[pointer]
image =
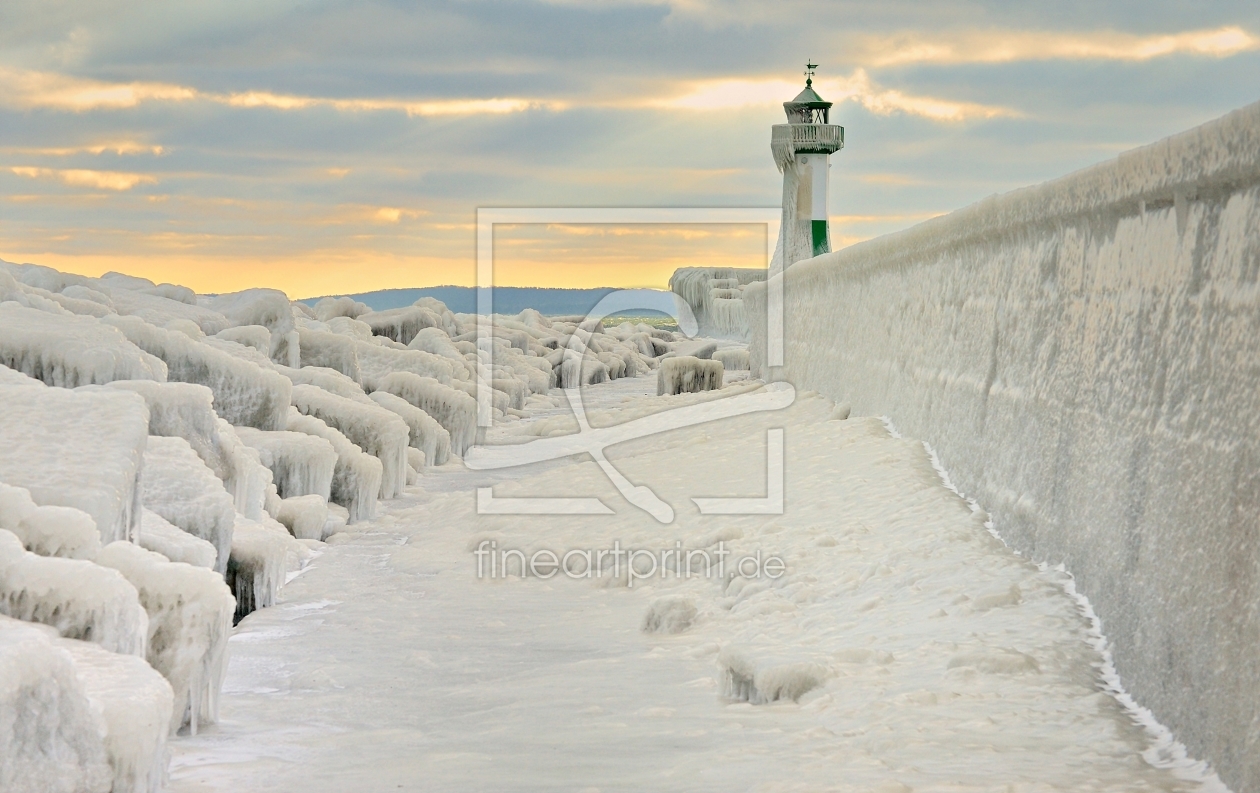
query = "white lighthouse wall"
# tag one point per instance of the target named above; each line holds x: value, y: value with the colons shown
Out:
x: 1084, y: 357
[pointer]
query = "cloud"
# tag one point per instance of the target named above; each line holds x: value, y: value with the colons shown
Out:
x: 100, y: 180
x: 27, y: 89
x: 124, y: 147
x: 1005, y: 46
x: 731, y: 94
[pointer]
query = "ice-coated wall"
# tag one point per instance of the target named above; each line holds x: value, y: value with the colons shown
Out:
x: 1084, y: 356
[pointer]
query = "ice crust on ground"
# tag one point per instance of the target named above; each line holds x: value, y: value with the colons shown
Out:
x: 190, y: 618
x: 372, y: 428
x: 356, y: 480
x: 894, y: 652
x: 81, y: 600
x: 45, y: 439
x: 180, y: 487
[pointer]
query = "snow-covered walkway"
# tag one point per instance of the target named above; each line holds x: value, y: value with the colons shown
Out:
x: 904, y: 648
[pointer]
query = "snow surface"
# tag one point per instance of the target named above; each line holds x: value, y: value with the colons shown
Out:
x: 905, y: 648
x: 80, y: 449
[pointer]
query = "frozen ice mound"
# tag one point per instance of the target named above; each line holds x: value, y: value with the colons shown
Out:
x: 190, y: 619
x: 356, y: 480
x: 134, y: 702
x: 180, y: 487
x: 746, y: 679
x: 331, y: 380
x: 267, y: 308
x: 160, y: 536
x: 372, y: 428
x: 426, y: 434
x: 455, y: 410
x: 732, y: 359
x: 300, y: 464
x: 43, y: 439
x: 81, y: 600
x: 686, y: 374
x: 401, y: 324
x: 258, y: 564
x: 669, y: 614
x: 51, y: 736
x: 14, y: 377
x: 245, y: 394
x: 48, y: 531
x: 715, y: 295
x: 304, y: 516
x: 70, y: 351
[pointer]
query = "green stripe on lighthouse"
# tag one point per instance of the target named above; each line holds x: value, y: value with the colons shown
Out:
x: 819, y: 229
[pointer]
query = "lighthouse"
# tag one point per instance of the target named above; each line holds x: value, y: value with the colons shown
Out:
x: 802, y: 150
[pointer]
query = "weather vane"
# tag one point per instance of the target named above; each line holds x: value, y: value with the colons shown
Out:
x: 810, y: 66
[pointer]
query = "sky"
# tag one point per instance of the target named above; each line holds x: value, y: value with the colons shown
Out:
x: 325, y: 147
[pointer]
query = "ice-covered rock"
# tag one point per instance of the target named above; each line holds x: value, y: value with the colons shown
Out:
x: 159, y: 535
x: 79, y: 449
x: 330, y: 307
x: 254, y: 336
x: 453, y: 409
x: 732, y: 358
x: 372, y: 428
x: 51, y: 736
x: 180, y: 487
x: 70, y: 351
x: 686, y: 374
x: 304, y: 516
x: 159, y: 310
x: 81, y: 600
x: 190, y: 619
x: 300, y: 464
x: 331, y: 380
x: 14, y: 377
x: 245, y: 393
x: 268, y: 308
x: 401, y: 324
x: 48, y: 531
x: 356, y: 480
x: 427, y: 435
x: 135, y: 703
x: 258, y: 564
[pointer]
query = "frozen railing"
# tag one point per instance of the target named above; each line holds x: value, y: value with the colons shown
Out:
x: 788, y: 139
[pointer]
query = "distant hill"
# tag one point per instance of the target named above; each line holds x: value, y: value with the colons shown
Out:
x: 514, y: 299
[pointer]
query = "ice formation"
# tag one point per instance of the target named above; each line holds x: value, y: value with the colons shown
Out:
x: 268, y: 308
x: 687, y: 374
x: 190, y: 618
x: 733, y: 358
x: 49, y: 530
x: 427, y: 435
x: 372, y: 428
x: 715, y: 295
x: 79, y: 599
x: 43, y: 439
x: 178, y: 486
x: 51, y: 736
x: 70, y: 351
x: 453, y: 409
x: 304, y: 516
x: 159, y: 535
x: 244, y: 393
x: 301, y: 464
x: 258, y: 564
x: 356, y: 480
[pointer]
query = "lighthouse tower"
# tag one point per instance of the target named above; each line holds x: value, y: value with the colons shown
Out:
x: 802, y: 149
